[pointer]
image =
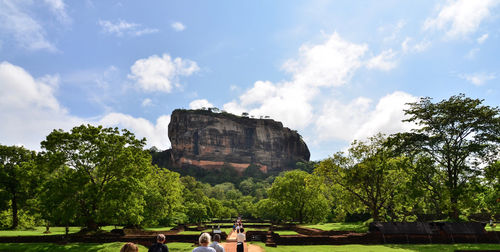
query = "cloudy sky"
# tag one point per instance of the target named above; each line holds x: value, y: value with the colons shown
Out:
x: 333, y: 70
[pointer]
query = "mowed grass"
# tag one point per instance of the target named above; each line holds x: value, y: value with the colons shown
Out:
x: 286, y: 232
x: 91, y: 247
x: 490, y: 228
x: 380, y: 248
x: 340, y: 226
x: 36, y: 231
x: 227, y: 230
x: 158, y: 228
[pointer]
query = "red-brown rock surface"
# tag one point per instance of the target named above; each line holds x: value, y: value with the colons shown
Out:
x: 211, y: 140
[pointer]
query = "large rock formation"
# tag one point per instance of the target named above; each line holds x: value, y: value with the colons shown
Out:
x: 210, y: 140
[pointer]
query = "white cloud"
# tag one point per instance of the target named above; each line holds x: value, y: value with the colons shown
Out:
x: 201, y: 103
x: 324, y: 65
x: 28, y: 108
x: 29, y: 111
x: 395, y: 31
x: 407, y: 46
x: 387, y: 116
x: 122, y: 27
x: 341, y: 121
x: 58, y: 8
x: 156, y: 134
x: 460, y: 18
x: 478, y: 79
x: 15, y: 21
x: 483, y: 38
x: 147, y: 102
x: 472, y: 53
x: 356, y: 119
x: 328, y: 64
x: 178, y: 26
x: 384, y: 61
x: 161, y: 73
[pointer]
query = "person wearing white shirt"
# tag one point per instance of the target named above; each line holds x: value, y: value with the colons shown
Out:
x: 240, y: 239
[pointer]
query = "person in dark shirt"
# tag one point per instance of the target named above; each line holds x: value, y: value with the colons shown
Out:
x: 159, y: 246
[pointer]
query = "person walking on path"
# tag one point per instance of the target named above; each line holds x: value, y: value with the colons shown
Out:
x: 159, y: 246
x: 240, y: 239
x: 204, y: 240
x: 216, y: 245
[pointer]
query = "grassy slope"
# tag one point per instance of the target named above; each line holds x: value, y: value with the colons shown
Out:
x: 186, y: 247
x: 39, y: 231
x: 107, y: 247
x: 355, y: 226
x: 380, y: 248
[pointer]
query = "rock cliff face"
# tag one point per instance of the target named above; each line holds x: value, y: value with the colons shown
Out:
x: 211, y: 140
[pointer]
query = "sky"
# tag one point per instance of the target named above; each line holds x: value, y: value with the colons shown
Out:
x: 335, y: 71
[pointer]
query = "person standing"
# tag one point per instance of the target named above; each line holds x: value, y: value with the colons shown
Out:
x: 159, y: 246
x: 204, y: 240
x: 240, y: 239
x: 216, y: 245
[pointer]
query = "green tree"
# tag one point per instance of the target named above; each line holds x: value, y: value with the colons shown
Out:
x: 58, y: 204
x: 18, y: 179
x: 492, y: 198
x: 299, y: 196
x: 368, y: 175
x: 109, y: 166
x: 458, y: 135
x: 163, y: 196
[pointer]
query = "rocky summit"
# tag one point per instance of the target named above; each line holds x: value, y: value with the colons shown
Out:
x: 211, y: 140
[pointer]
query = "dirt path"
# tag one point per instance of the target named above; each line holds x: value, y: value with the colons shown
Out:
x: 230, y: 245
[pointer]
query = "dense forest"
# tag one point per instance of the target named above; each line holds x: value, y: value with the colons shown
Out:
x: 446, y: 168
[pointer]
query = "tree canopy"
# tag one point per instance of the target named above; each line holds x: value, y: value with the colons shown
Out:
x: 460, y: 135
x: 106, y: 168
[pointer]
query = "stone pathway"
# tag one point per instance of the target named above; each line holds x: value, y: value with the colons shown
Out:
x: 230, y: 244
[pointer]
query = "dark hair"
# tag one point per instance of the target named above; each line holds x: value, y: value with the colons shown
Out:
x: 217, y: 237
x: 242, y: 230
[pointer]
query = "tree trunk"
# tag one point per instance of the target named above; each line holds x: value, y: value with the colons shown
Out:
x: 91, y: 225
x: 455, y: 212
x: 375, y: 214
x: 15, y: 218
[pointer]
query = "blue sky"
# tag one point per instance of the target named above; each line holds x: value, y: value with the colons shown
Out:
x: 333, y: 70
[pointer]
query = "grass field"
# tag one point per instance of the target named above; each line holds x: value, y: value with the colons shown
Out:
x: 380, y: 248
x: 158, y: 228
x: 54, y: 231
x: 186, y: 247
x: 107, y: 247
x: 286, y: 232
x: 341, y: 226
x: 38, y: 231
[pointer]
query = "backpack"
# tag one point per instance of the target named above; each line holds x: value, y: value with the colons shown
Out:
x: 158, y: 247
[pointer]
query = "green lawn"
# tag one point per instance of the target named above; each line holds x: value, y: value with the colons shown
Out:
x: 256, y: 229
x: 489, y: 228
x: 286, y: 232
x: 106, y: 247
x: 341, y: 226
x: 379, y: 248
x: 158, y: 228
x: 38, y: 231
x: 54, y: 231
x: 227, y: 230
